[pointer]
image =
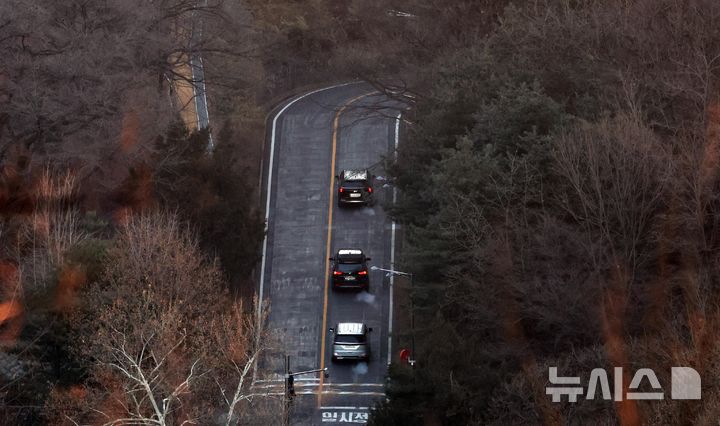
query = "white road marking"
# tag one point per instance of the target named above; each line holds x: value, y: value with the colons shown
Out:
x: 331, y: 385
x: 392, y: 247
x: 312, y: 379
x: 330, y: 392
x: 344, y: 408
x: 362, y: 385
x: 269, y: 193
x: 281, y: 385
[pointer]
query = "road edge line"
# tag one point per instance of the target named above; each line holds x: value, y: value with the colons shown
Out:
x: 268, y: 192
x: 392, y: 246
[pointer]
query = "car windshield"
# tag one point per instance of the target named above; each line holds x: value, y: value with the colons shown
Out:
x: 355, y: 184
x: 350, y: 339
x: 349, y: 267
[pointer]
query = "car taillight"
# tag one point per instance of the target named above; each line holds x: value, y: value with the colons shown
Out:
x: 362, y: 272
x: 337, y: 273
x: 341, y: 190
x: 369, y: 189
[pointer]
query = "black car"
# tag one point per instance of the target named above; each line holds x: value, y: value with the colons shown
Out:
x: 354, y: 187
x: 349, y: 269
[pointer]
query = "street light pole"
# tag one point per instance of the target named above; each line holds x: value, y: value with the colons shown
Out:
x: 412, y: 319
x: 290, y: 386
x: 287, y: 398
x: 412, y: 306
x: 317, y: 370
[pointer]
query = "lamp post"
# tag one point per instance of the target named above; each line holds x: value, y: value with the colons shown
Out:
x: 412, y: 305
x: 290, y: 386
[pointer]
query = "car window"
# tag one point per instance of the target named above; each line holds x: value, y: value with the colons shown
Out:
x: 355, y: 184
x: 350, y: 258
x: 352, y: 339
x: 349, y: 267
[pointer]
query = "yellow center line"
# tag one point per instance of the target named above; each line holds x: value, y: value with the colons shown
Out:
x: 323, y: 330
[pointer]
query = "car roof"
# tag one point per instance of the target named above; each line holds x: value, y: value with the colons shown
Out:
x: 342, y: 252
x: 350, y: 328
x: 350, y: 256
x: 355, y: 174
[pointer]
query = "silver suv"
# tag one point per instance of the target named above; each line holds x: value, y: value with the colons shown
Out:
x: 350, y: 341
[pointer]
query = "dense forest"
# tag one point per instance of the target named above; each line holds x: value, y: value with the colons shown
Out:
x: 558, y: 179
x: 127, y: 251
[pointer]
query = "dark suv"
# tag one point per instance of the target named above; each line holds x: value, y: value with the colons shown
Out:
x: 349, y: 269
x: 354, y: 187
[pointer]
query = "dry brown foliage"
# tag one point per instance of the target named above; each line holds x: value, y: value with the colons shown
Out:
x: 167, y: 343
x: 618, y: 173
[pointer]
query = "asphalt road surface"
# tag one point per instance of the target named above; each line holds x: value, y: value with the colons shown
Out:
x: 201, y: 107
x: 313, y: 138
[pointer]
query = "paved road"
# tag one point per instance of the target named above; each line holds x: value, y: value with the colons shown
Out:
x: 353, y: 121
x: 201, y: 107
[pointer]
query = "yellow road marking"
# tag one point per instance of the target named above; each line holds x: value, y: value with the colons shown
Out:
x: 323, y: 330
x: 185, y: 93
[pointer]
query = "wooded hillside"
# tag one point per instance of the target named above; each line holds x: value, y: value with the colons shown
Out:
x: 558, y: 180
x: 559, y: 190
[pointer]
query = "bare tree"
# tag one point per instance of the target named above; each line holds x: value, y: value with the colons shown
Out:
x: 142, y: 376
x: 617, y: 172
x: 76, y: 71
x: 153, y: 394
x: 242, y: 341
x: 167, y: 343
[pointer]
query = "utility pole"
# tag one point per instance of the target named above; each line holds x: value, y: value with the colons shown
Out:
x: 290, y: 387
x: 287, y: 398
x: 411, y: 359
x: 412, y: 318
